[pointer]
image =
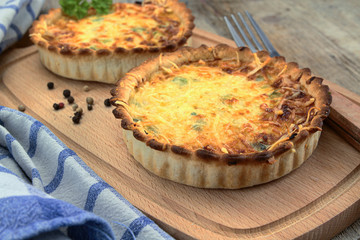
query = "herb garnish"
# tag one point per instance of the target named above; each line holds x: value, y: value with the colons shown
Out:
x: 79, y: 8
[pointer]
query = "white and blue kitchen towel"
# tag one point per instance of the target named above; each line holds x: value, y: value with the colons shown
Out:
x: 16, y: 16
x: 48, y: 192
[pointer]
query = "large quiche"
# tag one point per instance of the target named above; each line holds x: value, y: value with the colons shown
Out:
x: 103, y: 48
x: 220, y: 117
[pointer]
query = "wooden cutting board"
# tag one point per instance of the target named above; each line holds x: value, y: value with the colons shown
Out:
x: 318, y: 200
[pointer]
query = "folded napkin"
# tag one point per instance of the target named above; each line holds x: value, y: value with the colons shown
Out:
x: 16, y: 16
x: 48, y: 192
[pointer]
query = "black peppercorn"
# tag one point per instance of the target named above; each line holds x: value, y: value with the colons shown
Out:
x: 107, y: 102
x: 89, y: 107
x: 56, y: 106
x: 76, y: 120
x: 78, y: 114
x: 66, y: 93
x: 71, y: 99
x: 50, y: 85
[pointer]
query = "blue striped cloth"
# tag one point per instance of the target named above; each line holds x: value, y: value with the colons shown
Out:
x: 48, y: 192
x: 16, y: 16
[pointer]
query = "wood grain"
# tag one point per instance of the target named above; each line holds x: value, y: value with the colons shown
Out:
x: 320, y: 34
x: 315, y: 201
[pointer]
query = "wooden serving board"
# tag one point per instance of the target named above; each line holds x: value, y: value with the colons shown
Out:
x: 317, y: 200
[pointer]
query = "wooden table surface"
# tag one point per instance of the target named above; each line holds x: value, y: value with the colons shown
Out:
x: 322, y: 35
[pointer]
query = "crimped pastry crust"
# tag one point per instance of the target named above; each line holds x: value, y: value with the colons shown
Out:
x: 105, y: 64
x: 217, y: 174
x: 207, y: 169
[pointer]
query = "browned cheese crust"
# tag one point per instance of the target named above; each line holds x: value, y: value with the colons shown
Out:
x: 107, y: 64
x: 267, y: 165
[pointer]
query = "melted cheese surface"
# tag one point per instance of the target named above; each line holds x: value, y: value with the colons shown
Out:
x: 201, y: 106
x: 127, y: 26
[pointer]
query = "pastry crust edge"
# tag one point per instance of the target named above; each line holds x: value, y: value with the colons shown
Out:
x: 215, y: 174
x: 102, y: 65
x: 170, y: 161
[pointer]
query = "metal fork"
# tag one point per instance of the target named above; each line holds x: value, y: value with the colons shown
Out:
x: 239, y: 41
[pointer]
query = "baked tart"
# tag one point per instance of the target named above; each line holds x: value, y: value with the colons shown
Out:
x: 104, y: 47
x: 220, y: 117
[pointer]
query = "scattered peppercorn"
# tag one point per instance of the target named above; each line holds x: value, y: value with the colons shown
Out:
x: 90, y: 100
x: 89, y: 107
x: 79, y: 110
x: 76, y: 120
x: 107, y: 102
x: 86, y: 88
x: 78, y: 114
x: 56, y: 106
x: 50, y: 85
x: 71, y: 99
x: 66, y: 93
x: 21, y: 108
x: 74, y: 106
x: 61, y: 105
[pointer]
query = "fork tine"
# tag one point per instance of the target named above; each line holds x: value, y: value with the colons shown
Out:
x: 263, y: 37
x: 248, y: 42
x: 258, y: 45
x: 235, y: 36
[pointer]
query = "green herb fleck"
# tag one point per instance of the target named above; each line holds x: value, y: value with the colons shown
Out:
x: 259, y: 146
x: 198, y: 125
x: 193, y: 113
x: 152, y: 129
x: 98, y: 19
x: 225, y: 97
x: 274, y: 94
x: 264, y: 86
x: 259, y: 78
x: 138, y: 29
x: 155, y: 33
x: 181, y: 81
x: 105, y: 40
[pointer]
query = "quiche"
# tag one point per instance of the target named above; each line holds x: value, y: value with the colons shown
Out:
x: 104, y: 47
x: 220, y: 117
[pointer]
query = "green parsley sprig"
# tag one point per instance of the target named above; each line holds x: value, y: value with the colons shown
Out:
x: 79, y: 8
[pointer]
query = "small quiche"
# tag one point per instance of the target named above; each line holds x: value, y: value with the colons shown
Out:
x: 220, y: 117
x: 103, y: 48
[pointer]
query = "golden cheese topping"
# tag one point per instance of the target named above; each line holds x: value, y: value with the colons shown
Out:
x: 219, y: 106
x: 127, y: 26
